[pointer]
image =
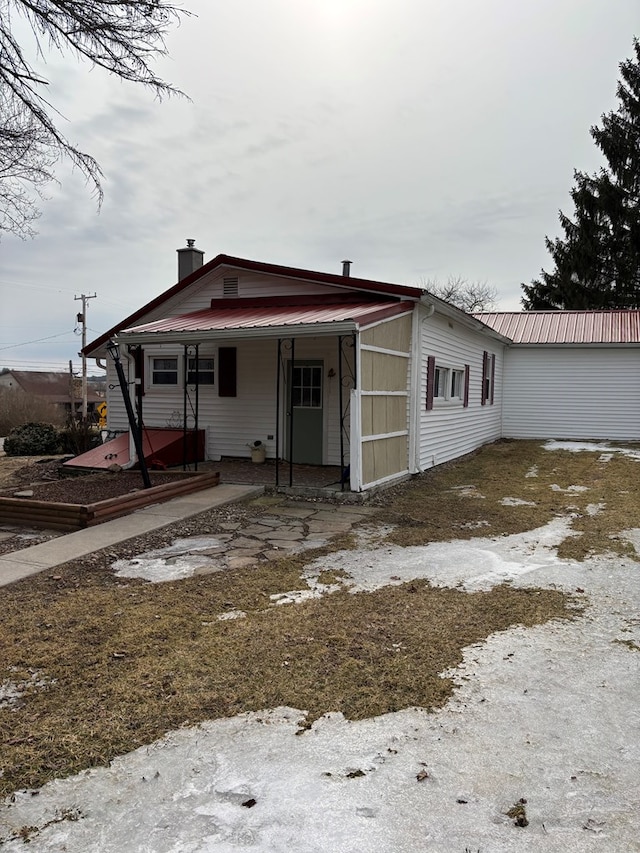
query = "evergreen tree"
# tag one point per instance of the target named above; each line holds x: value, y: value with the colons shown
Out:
x: 597, y: 263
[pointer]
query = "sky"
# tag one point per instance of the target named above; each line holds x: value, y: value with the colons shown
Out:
x: 421, y: 139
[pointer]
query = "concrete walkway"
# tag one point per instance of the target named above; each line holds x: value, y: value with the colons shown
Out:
x: 37, y: 558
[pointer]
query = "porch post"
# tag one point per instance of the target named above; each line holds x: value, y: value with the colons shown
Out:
x: 293, y: 361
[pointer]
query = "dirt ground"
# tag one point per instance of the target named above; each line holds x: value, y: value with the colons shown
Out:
x: 48, y: 481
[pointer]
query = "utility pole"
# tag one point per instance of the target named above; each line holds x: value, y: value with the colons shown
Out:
x: 82, y: 319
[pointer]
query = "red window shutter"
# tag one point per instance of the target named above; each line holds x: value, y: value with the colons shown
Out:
x: 485, y: 373
x: 431, y: 373
x: 227, y: 372
x: 466, y: 386
x: 493, y: 376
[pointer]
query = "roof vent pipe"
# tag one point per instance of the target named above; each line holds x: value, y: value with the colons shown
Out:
x: 346, y: 268
x: 190, y: 259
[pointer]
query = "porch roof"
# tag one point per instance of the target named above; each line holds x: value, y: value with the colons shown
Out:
x: 263, y: 321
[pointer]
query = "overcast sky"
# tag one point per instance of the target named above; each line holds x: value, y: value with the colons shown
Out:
x: 419, y: 138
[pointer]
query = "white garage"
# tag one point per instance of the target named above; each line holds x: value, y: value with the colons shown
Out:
x: 570, y: 374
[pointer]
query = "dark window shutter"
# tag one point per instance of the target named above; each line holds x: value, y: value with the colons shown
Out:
x: 485, y: 359
x: 138, y: 360
x: 431, y: 373
x: 227, y: 372
x: 466, y: 386
x: 493, y: 376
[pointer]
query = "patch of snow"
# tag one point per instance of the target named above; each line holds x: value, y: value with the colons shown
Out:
x: 532, y: 472
x: 468, y: 491
x: 479, y: 563
x: 11, y: 692
x: 159, y: 569
x: 516, y: 502
x: 556, y: 488
x: 175, y: 561
x: 549, y: 714
x: 294, y: 596
x: 595, y: 509
x: 606, y: 450
x: 231, y: 614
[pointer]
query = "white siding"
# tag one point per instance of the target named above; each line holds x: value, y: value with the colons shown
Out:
x: 250, y: 285
x: 572, y: 392
x: 450, y: 430
x: 233, y: 423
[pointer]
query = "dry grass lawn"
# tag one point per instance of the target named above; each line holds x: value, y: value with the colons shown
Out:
x: 107, y: 664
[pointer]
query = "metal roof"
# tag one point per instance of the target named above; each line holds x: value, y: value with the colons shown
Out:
x: 249, y: 318
x: 565, y: 327
x: 221, y: 261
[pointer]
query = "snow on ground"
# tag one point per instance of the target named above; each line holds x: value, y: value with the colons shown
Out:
x: 548, y: 714
x: 606, y: 450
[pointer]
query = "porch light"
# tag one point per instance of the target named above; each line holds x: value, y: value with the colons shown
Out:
x: 113, y: 349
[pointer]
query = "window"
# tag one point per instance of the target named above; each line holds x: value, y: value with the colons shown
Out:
x: 457, y: 385
x: 440, y: 383
x: 164, y: 371
x: 200, y: 371
x: 306, y: 386
x: 446, y: 384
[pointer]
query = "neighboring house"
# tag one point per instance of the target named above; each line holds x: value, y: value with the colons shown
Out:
x: 55, y: 388
x: 570, y: 374
x: 380, y: 379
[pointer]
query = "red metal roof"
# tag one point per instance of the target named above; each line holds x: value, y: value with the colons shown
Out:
x: 217, y: 319
x: 343, y: 281
x: 565, y: 327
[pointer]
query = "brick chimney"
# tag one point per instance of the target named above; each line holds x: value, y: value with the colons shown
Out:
x: 190, y: 259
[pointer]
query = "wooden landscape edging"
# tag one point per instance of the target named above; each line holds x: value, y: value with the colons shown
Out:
x: 68, y: 517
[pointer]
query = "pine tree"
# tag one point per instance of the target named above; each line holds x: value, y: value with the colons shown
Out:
x: 597, y: 263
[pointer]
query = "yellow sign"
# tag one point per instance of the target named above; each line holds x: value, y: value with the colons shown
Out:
x: 101, y: 409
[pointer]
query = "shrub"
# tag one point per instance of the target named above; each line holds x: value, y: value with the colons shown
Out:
x: 18, y: 408
x: 79, y: 436
x: 32, y: 439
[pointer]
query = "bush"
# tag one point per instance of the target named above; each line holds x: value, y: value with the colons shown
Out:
x: 79, y: 436
x: 33, y: 439
x: 18, y: 408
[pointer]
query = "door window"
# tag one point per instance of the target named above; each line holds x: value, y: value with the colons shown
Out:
x: 306, y: 386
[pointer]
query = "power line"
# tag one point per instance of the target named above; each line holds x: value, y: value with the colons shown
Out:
x: 39, y: 340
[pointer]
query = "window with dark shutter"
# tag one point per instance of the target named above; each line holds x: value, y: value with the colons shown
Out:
x: 465, y: 398
x: 227, y: 372
x: 431, y: 374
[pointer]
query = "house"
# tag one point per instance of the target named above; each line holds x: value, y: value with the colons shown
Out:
x: 570, y: 374
x: 380, y: 379
x: 56, y: 388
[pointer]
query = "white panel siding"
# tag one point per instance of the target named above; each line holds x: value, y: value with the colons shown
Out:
x: 233, y: 423
x: 450, y: 430
x: 250, y: 285
x: 572, y: 392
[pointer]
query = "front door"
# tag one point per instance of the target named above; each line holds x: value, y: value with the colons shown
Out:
x: 305, y: 414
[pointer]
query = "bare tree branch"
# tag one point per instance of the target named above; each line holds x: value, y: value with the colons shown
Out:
x: 121, y: 37
x: 470, y: 296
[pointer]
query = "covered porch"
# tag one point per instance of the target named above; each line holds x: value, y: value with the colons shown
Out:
x: 323, y: 388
